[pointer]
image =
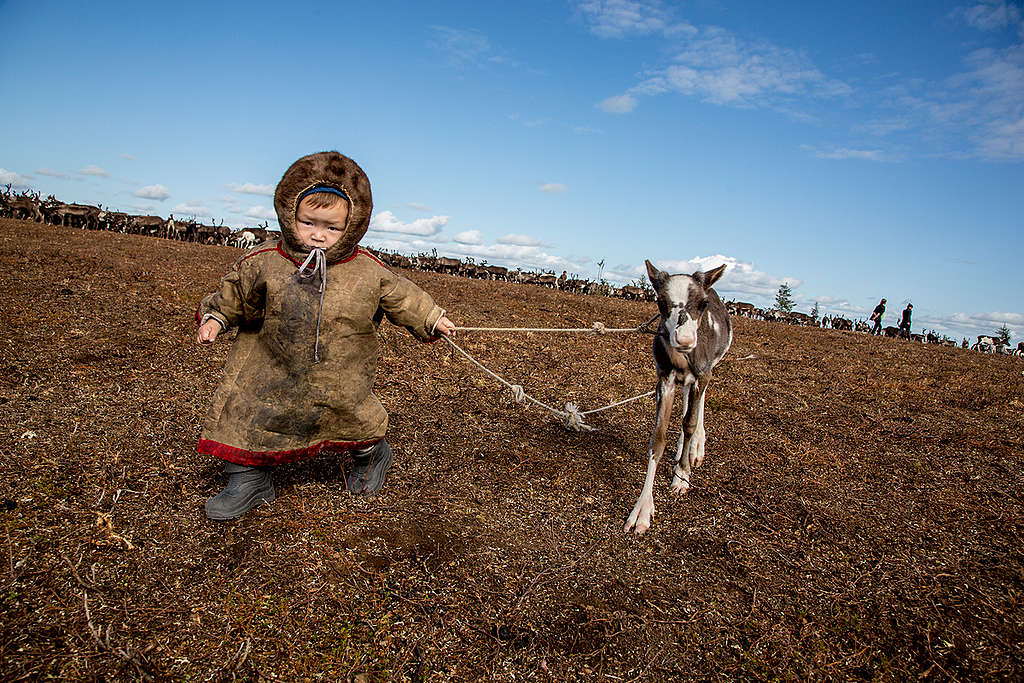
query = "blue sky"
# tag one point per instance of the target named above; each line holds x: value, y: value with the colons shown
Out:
x: 855, y: 152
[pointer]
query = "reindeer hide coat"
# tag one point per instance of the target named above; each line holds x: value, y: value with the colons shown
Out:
x: 275, y: 404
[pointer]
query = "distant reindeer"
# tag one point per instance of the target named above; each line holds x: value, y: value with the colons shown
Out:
x: 694, y: 335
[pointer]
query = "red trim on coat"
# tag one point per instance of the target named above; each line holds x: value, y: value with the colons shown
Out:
x: 249, y: 256
x: 240, y: 456
x: 282, y: 252
x: 361, y: 250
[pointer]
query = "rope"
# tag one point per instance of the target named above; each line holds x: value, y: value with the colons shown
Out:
x: 317, y: 263
x: 596, y: 328
x: 572, y: 415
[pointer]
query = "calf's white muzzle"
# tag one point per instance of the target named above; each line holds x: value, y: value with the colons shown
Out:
x: 682, y: 333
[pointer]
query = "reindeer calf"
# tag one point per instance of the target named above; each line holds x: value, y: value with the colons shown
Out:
x: 694, y: 335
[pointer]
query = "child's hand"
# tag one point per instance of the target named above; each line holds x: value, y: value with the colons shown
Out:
x: 444, y: 326
x: 208, y: 331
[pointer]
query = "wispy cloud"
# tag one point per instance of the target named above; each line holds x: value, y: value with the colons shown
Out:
x: 261, y: 212
x: 192, y: 209
x: 553, y: 188
x: 94, y: 170
x: 741, y: 278
x: 158, y: 192
x: 418, y: 207
x: 129, y: 157
x: 511, y: 255
x: 990, y: 15
x: 847, y: 153
x: 628, y: 18
x: 252, y: 188
x: 718, y: 67
x: 973, y: 113
x: 53, y: 174
x: 469, y: 237
x: 13, y: 179
x: 972, y: 324
x: 522, y: 241
x: 386, y: 221
x: 618, y: 104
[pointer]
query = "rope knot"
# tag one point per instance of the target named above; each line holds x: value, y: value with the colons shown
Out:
x: 518, y: 393
x: 574, y: 419
x: 598, y: 328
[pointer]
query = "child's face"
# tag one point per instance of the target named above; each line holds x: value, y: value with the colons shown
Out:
x: 320, y: 226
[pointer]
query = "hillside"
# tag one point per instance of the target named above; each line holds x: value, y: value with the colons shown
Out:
x: 858, y: 516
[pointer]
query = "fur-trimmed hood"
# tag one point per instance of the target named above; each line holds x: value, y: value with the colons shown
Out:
x: 331, y: 169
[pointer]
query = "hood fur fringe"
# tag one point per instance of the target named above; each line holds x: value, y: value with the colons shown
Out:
x: 332, y: 169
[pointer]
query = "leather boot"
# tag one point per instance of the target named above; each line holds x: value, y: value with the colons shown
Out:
x: 369, y: 468
x: 247, y: 487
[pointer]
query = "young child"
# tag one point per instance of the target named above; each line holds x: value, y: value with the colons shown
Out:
x: 298, y: 380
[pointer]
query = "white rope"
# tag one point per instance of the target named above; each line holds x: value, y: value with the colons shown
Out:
x: 317, y: 263
x: 596, y: 328
x: 572, y: 415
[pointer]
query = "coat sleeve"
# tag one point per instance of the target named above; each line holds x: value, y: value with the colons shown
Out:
x: 240, y: 298
x: 407, y: 305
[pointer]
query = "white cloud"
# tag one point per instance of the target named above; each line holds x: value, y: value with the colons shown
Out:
x: 469, y: 237
x: 462, y: 47
x: 619, y: 104
x: 740, y: 277
x: 553, y: 188
x: 624, y: 18
x: 973, y: 113
x: 720, y: 68
x: 129, y: 157
x: 883, y: 127
x: 842, y: 153
x: 419, y: 207
x: 53, y: 174
x: 158, y: 192
x: 521, y: 241
x: 385, y: 221
x: 512, y: 256
x: 988, y: 99
x: 252, y: 188
x: 972, y: 324
x: 94, y: 170
x: 192, y: 209
x: 261, y: 212
x: 13, y: 179
x: 989, y: 15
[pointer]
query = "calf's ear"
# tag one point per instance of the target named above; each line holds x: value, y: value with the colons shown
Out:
x: 653, y: 272
x: 712, y: 276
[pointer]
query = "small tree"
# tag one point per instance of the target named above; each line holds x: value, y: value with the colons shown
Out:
x: 784, y: 298
x: 1003, y: 335
x: 815, y: 313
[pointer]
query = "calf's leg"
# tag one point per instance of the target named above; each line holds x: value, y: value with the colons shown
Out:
x: 680, y: 478
x: 640, y: 518
x: 691, y: 455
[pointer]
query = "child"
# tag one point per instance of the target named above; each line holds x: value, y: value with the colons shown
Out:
x: 298, y: 380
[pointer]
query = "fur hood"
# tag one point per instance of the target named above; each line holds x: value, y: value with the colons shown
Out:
x: 333, y: 170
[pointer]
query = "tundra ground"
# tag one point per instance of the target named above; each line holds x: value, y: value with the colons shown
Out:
x: 859, y: 514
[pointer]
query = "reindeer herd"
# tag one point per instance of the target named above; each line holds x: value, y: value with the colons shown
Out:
x: 27, y: 205
x: 985, y: 343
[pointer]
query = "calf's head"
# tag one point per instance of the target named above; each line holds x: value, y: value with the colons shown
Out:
x: 682, y: 299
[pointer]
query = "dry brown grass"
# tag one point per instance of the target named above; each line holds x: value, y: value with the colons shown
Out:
x: 858, y: 516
